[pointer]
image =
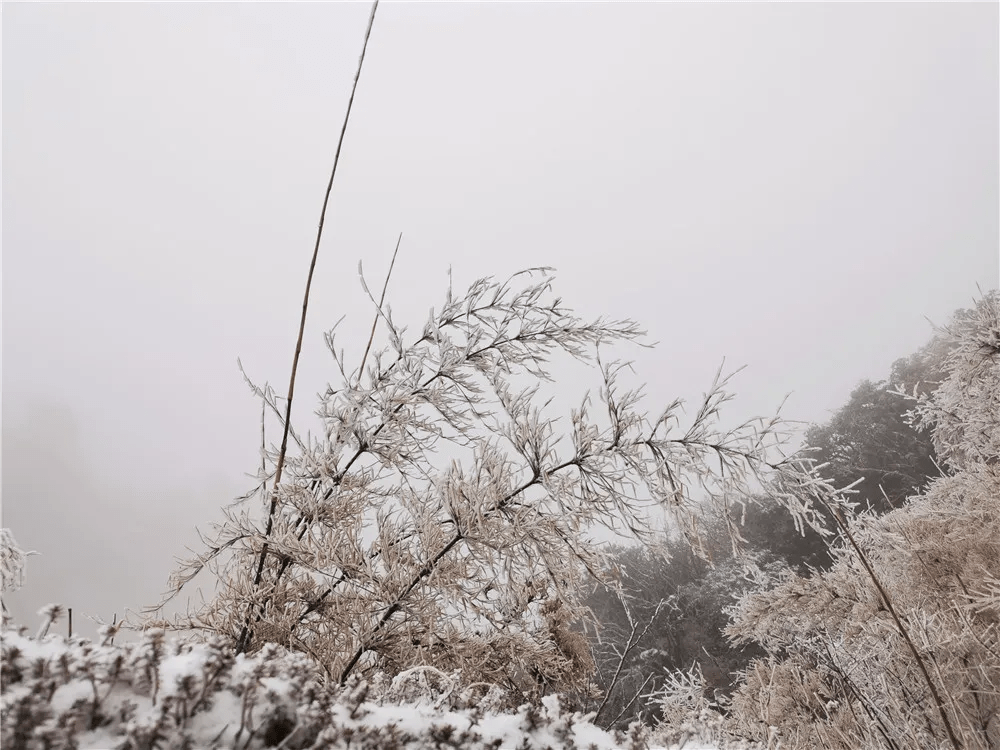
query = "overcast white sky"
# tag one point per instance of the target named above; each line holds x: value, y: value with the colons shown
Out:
x: 795, y: 188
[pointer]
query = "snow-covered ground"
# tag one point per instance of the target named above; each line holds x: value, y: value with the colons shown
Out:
x: 200, y: 694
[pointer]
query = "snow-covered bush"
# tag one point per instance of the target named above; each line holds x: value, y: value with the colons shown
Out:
x: 62, y: 694
x: 689, y: 713
x: 897, y: 645
x: 962, y: 413
x: 441, y: 518
x: 12, y: 561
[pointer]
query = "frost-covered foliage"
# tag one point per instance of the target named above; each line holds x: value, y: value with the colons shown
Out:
x: 12, y: 561
x: 963, y: 412
x: 67, y: 694
x: 897, y: 645
x: 377, y: 554
x: 694, y: 715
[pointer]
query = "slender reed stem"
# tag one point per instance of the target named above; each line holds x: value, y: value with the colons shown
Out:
x: 884, y: 595
x: 244, y: 640
x: 633, y: 640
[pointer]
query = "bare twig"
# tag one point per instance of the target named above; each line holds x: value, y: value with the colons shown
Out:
x: 378, y: 310
x: 633, y: 640
x: 629, y: 705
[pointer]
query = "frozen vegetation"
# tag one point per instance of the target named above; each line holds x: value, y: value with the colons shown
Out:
x: 383, y: 600
x: 71, y: 693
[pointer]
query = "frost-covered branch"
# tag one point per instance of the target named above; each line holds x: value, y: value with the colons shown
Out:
x: 442, y: 511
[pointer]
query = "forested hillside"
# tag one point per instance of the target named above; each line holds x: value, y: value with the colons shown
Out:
x: 870, y: 442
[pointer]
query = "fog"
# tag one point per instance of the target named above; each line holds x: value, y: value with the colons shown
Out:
x: 795, y: 188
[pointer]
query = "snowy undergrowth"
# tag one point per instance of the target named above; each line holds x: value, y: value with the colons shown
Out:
x: 161, y: 693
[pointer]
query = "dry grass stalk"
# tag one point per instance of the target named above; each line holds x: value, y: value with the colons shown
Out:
x: 244, y: 635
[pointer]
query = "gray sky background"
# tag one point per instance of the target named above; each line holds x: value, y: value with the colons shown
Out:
x: 795, y: 188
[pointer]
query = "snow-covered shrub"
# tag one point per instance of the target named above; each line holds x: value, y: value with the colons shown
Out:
x: 12, y: 562
x: 695, y: 715
x: 69, y: 694
x: 686, y: 706
x: 898, y: 644
x: 442, y: 518
x: 962, y: 413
